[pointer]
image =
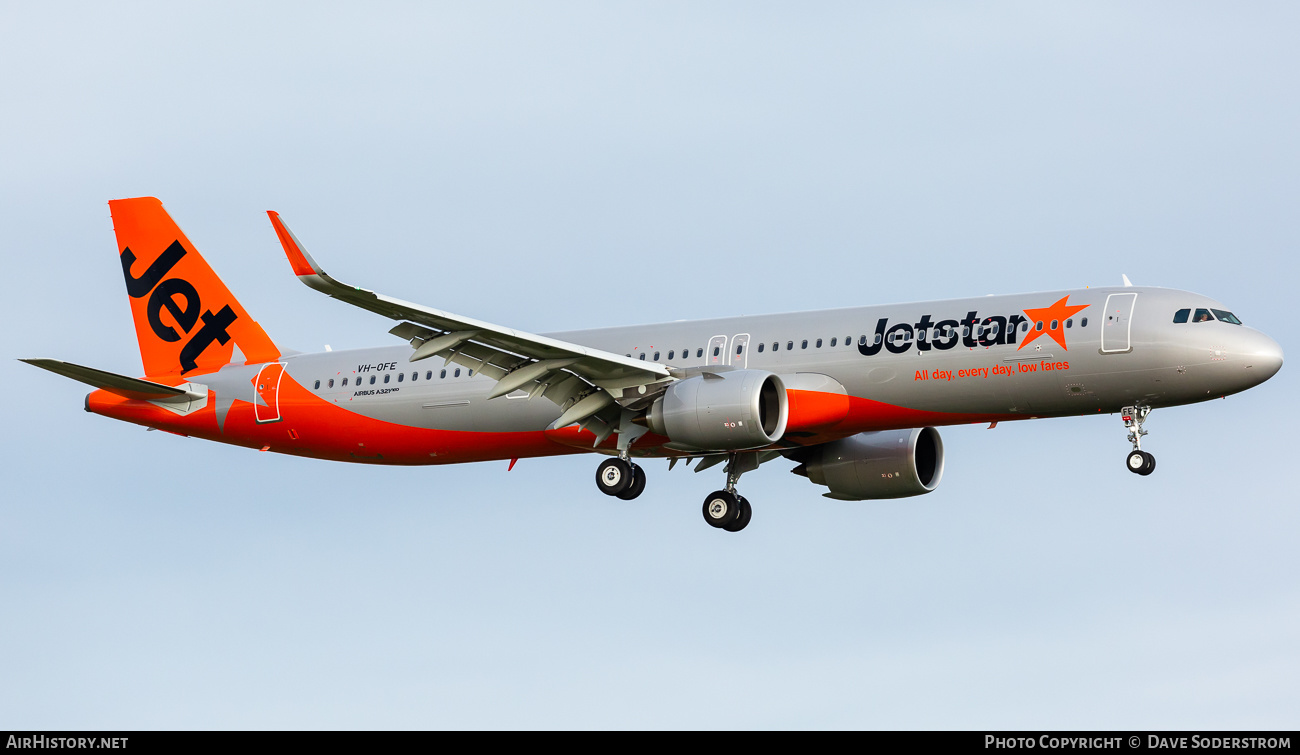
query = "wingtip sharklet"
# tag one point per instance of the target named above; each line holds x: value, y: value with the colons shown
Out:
x: 299, y: 259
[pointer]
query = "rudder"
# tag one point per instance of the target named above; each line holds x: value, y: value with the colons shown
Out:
x: 185, y: 317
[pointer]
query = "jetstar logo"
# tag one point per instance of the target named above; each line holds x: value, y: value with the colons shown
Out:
x: 1051, y: 321
x: 971, y: 331
x: 163, y: 295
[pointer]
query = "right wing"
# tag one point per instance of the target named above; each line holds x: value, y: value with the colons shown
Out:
x: 587, y: 384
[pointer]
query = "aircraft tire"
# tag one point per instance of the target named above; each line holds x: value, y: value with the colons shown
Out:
x: 743, y: 516
x: 1136, y: 462
x: 721, y: 508
x: 614, y: 476
x: 1150, y: 465
x: 637, y: 486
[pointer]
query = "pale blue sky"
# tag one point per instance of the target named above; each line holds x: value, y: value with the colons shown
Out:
x: 574, y: 165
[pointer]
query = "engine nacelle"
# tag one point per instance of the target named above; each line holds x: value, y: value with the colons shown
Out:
x: 887, y: 464
x: 726, y: 411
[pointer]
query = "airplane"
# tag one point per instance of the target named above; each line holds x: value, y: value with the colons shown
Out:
x: 852, y: 396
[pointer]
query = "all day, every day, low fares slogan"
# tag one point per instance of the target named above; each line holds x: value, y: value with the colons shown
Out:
x: 984, y: 373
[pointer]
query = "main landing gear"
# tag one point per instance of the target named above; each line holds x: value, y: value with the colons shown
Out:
x: 727, y: 509
x: 724, y: 509
x: 1138, y: 461
x: 620, y: 478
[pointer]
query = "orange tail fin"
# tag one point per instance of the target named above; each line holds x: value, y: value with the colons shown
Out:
x: 185, y: 317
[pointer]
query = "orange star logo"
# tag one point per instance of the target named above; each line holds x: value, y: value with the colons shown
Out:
x: 1053, y: 321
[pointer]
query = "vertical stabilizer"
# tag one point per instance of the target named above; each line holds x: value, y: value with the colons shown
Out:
x: 185, y: 317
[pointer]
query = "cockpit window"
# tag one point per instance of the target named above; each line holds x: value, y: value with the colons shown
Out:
x: 1227, y: 317
x: 1182, y: 315
x: 1202, y: 315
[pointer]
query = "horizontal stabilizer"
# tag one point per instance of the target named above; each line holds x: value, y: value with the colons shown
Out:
x: 122, y: 385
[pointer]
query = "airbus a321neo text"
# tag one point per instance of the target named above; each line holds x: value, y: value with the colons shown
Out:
x: 851, y: 396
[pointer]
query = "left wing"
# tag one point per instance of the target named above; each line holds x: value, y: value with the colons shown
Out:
x: 587, y: 384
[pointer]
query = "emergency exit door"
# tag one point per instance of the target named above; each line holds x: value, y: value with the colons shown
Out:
x: 717, y: 352
x: 739, y: 351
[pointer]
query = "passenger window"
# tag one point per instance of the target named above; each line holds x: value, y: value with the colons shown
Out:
x: 1025, y: 326
x: 471, y: 373
x: 1038, y: 325
x: 847, y: 340
x: 428, y: 375
x: 776, y: 346
x: 740, y: 348
x: 760, y: 348
x: 862, y: 340
x: 819, y: 343
x: 643, y: 356
x: 317, y: 385
x: 717, y: 350
x: 1069, y: 323
x: 1227, y: 317
x: 400, y: 377
x: 833, y: 343
x: 372, y: 379
x: 331, y: 385
x: 1054, y: 324
x: 670, y: 355
x: 1083, y: 323
x: 803, y: 344
x: 415, y: 376
x: 1202, y: 315
x: 442, y: 374
x: 1181, y: 315
x: 345, y: 381
x: 456, y: 373
x: 656, y: 356
x: 386, y: 378
x: 699, y: 353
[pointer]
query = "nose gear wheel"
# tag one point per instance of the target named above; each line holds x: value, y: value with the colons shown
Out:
x: 1138, y: 461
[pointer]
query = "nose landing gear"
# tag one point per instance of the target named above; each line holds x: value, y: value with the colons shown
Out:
x: 1138, y: 461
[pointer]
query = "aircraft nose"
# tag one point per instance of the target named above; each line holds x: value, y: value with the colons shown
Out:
x: 1263, y: 357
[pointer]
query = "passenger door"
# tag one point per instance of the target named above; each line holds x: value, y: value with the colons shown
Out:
x: 1117, y: 328
x: 266, y: 405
